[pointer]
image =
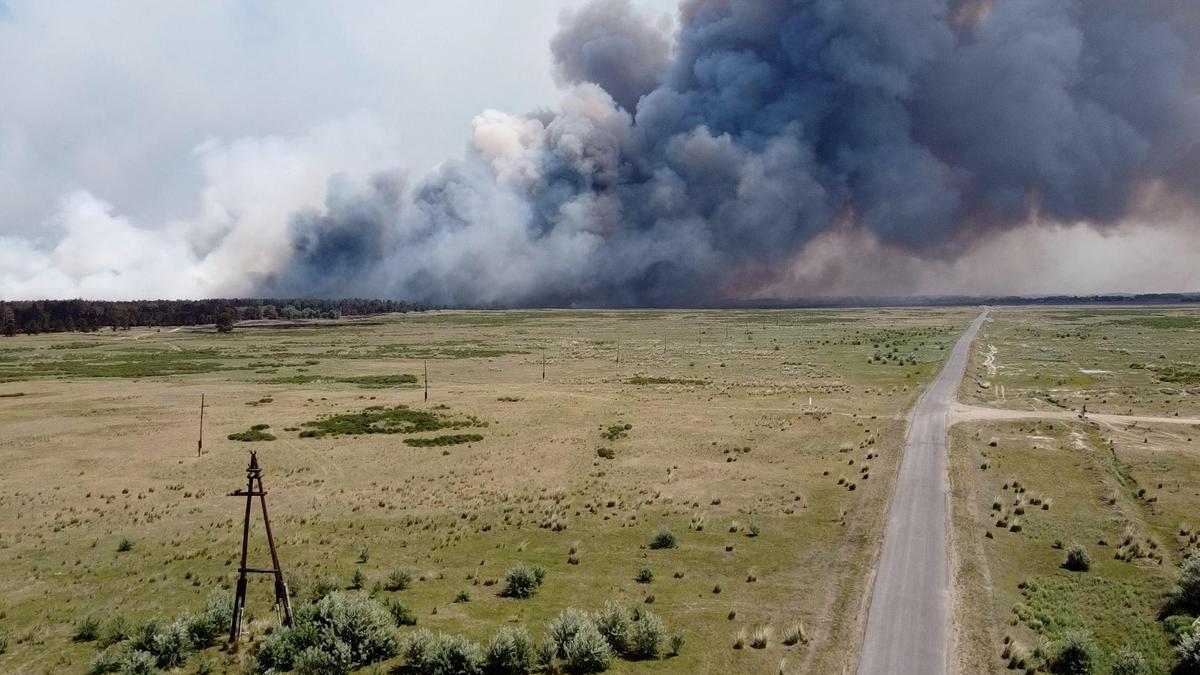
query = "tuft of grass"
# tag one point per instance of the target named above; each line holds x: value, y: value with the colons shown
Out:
x: 795, y: 634
x: 87, y: 629
x: 760, y: 637
x: 644, y: 576
x: 124, y: 545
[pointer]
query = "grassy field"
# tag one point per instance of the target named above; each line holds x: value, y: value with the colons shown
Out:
x: 1025, y: 491
x: 766, y: 442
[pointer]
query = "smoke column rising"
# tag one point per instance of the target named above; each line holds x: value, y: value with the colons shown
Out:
x: 697, y: 166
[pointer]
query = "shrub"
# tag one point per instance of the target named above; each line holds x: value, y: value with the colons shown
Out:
x: 171, y: 645
x: 523, y: 581
x: 124, y: 545
x: 644, y: 576
x: 605, y: 453
x: 401, y: 614
x: 398, y: 580
x: 564, y: 627
x: 454, y: 655
x: 418, y: 650
x: 676, y: 645
x: 115, y: 630
x: 1188, y: 590
x: 510, y: 653
x: 206, y: 628
x: 87, y: 629
x: 587, y: 651
x: 330, y: 660
x: 323, y: 587
x: 663, y: 538
x: 754, y: 530
x: 1076, y: 654
x: 613, y: 624
x: 1078, y: 559
x: 462, y: 596
x: 138, y: 663
x: 1188, y: 651
x: 1128, y: 662
x: 646, y: 636
x: 107, y: 661
x: 353, y: 628
x: 547, y: 652
x: 142, y: 637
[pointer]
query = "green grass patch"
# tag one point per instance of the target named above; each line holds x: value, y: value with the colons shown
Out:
x: 131, y: 364
x: 258, y: 432
x: 382, y: 420
x: 644, y: 380
x: 449, y: 439
x: 1163, y: 322
x: 362, y: 381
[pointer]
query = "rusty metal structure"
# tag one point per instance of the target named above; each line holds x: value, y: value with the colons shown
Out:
x: 283, y: 603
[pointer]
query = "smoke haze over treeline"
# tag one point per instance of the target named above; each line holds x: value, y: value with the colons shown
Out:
x: 744, y: 149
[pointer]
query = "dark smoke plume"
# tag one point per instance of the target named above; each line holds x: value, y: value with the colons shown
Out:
x: 690, y: 170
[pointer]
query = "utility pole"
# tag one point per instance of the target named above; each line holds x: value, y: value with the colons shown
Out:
x: 426, y: 380
x: 618, y: 351
x: 200, y: 441
x: 283, y: 603
x: 543, y: 365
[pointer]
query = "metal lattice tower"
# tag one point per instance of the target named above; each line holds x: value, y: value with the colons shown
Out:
x: 283, y: 603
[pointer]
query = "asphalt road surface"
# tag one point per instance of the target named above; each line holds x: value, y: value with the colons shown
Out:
x: 907, y: 622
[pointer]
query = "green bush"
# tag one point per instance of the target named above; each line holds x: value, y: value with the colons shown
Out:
x: 139, y: 663
x: 115, y: 630
x: 646, y: 636
x: 322, y: 660
x: 323, y: 587
x: 108, y: 661
x: 171, y: 646
x: 510, y: 653
x: 1128, y: 662
x: 587, y: 651
x: 401, y: 614
x: 676, y: 645
x: 438, y: 441
x: 1078, y: 559
x: 207, y: 627
x: 442, y: 655
x: 124, y: 545
x: 523, y: 581
x: 398, y: 580
x: 605, y: 453
x: 87, y: 629
x: 253, y: 434
x: 1188, y: 651
x: 1076, y: 654
x: 613, y: 624
x: 1188, y: 590
x: 644, y: 575
x: 663, y: 538
x: 564, y: 627
x: 355, y: 629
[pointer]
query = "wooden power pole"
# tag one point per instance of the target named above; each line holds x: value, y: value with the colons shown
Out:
x: 200, y: 441
x: 543, y: 365
x: 426, y: 380
x: 283, y: 603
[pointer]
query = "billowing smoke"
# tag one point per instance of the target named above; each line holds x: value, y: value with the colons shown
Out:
x: 698, y: 166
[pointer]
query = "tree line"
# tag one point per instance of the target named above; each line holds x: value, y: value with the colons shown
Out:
x: 60, y: 316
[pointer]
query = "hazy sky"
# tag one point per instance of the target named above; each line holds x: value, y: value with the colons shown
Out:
x: 115, y: 97
x: 175, y: 148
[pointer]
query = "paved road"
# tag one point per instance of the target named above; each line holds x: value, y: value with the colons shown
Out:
x: 907, y: 621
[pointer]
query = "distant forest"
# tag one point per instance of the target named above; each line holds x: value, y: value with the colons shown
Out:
x: 60, y: 316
